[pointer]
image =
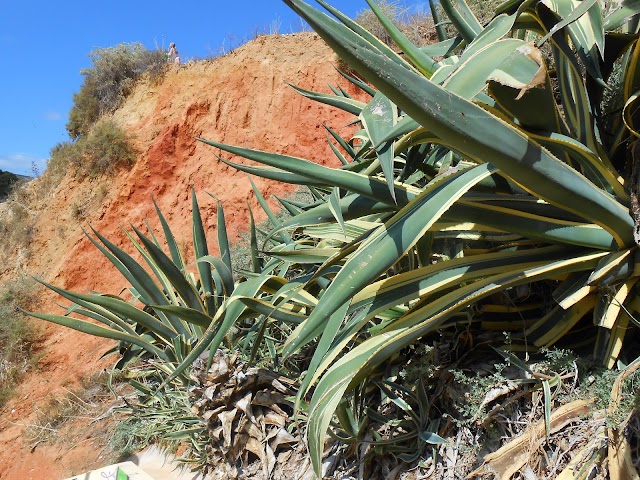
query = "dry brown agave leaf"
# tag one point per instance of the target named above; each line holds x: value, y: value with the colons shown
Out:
x: 588, y: 456
x: 246, y: 414
x: 226, y: 419
x: 244, y: 404
x: 619, y: 456
x: 511, y: 457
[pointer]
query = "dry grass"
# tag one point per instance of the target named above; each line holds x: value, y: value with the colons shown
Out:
x: 17, y: 334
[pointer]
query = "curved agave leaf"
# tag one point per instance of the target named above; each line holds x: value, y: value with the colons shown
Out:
x: 383, y: 248
x: 463, y: 18
x: 202, y: 250
x: 416, y: 284
x: 377, y: 117
x: 98, y: 331
x: 474, y: 132
x: 118, y: 307
x: 169, y: 269
x: 137, y: 277
x: 341, y: 178
x: 583, y: 21
x: 625, y: 11
x: 360, y: 361
x: 423, y: 62
x: 347, y: 104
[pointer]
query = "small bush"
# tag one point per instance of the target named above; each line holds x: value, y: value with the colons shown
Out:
x: 7, y: 180
x: 418, y: 27
x: 16, y: 334
x: 106, y: 147
x: 114, y: 72
x: 86, y: 109
x: 16, y: 217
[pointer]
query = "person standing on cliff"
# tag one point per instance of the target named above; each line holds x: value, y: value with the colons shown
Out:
x: 173, y: 53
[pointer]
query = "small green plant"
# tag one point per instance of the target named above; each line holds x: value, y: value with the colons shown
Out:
x: 110, y: 79
x: 7, y: 180
x: 96, y: 397
x: 107, y: 147
x: 17, y: 217
x: 17, y: 334
x: 417, y: 26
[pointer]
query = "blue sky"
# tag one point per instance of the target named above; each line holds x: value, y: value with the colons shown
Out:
x: 45, y: 45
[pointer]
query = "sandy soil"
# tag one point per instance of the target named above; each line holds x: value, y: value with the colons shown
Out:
x: 241, y: 99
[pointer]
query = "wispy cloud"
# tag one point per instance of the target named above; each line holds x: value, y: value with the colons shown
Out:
x: 21, y: 163
x: 52, y: 116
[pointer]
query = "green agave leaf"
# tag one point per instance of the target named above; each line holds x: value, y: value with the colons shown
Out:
x: 341, y: 141
x: 535, y: 109
x: 554, y: 326
x: 404, y: 126
x: 622, y: 14
x: 223, y: 238
x: 348, y: 180
x: 509, y: 56
x: 98, y: 331
x: 165, y: 283
x: 377, y: 117
x: 137, y: 277
x: 359, y: 361
x: 273, y: 174
x: 253, y: 241
x: 202, y: 250
x: 474, y: 132
x: 630, y: 114
x: 365, y: 87
x: 223, y: 271
x: 583, y: 21
x: 223, y: 320
x: 386, y: 245
x: 617, y: 337
x: 337, y: 152
x: 352, y: 206
x: 118, y: 307
x: 440, y: 31
x: 168, y: 268
x: 593, y: 167
x: 171, y: 241
x: 353, y: 230
x: 533, y: 226
x: 575, y: 100
x: 423, y: 62
x: 500, y: 26
x: 462, y: 18
x: 106, y: 318
x: 575, y: 14
x: 334, y: 206
x: 572, y: 290
x: 420, y: 283
x: 444, y: 48
x: 304, y: 255
x: 187, y: 314
x: 278, y: 312
x: 352, y: 25
x: 347, y: 104
x: 272, y: 217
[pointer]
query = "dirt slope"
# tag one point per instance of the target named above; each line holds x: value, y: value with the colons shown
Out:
x: 242, y: 99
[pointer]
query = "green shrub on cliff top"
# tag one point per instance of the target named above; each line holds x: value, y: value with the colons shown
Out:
x: 114, y: 72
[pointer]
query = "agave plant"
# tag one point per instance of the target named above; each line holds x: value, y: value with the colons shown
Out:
x: 174, y: 310
x: 493, y: 172
x: 499, y: 144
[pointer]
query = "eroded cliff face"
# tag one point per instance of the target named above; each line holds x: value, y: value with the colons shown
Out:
x: 241, y: 99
